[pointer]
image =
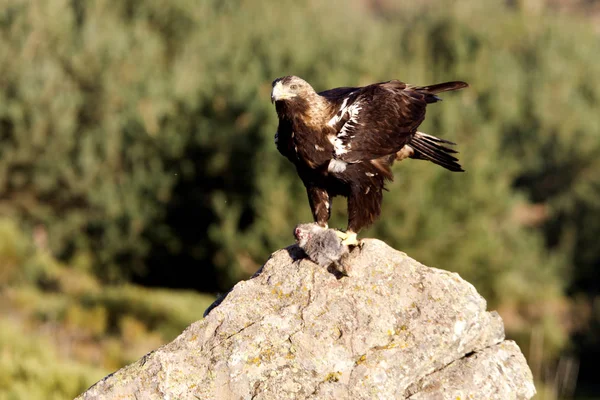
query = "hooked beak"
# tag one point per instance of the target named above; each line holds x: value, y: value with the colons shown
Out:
x: 279, y: 92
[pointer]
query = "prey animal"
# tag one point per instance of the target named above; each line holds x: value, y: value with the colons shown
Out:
x: 344, y: 141
x: 322, y: 246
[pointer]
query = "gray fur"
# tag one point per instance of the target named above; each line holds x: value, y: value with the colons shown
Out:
x: 321, y: 245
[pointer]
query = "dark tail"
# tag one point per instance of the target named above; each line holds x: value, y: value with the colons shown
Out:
x: 432, y: 90
x: 427, y: 147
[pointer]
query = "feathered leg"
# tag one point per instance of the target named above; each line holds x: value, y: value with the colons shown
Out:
x: 364, y: 206
x: 320, y: 205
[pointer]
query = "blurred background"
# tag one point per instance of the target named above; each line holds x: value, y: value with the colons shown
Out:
x: 138, y: 174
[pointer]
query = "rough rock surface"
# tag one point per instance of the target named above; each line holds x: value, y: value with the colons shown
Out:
x: 392, y: 329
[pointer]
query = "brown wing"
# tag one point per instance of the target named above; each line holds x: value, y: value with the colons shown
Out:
x: 337, y: 95
x: 377, y: 120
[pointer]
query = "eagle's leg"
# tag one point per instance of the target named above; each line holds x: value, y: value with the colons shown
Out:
x: 320, y: 204
x: 364, y: 206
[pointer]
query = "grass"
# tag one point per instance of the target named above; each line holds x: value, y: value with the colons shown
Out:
x: 61, y: 329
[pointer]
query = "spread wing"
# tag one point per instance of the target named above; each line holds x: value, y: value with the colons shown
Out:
x: 375, y: 120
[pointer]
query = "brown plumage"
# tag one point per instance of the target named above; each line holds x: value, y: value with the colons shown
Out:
x: 344, y: 141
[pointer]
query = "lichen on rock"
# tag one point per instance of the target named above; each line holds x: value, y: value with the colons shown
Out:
x: 392, y: 329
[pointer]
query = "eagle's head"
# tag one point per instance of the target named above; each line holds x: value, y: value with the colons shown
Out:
x: 290, y: 88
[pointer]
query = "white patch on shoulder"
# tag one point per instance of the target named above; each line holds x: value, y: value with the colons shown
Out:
x: 338, y: 145
x: 369, y: 174
x: 336, y: 166
x: 354, y: 110
x: 319, y: 148
x: 340, y: 114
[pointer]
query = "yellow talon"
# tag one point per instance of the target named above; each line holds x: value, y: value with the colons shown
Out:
x: 348, y: 238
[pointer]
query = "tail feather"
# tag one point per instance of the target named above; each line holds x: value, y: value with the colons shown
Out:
x: 436, y: 139
x: 431, y: 90
x: 428, y: 147
x: 444, y: 87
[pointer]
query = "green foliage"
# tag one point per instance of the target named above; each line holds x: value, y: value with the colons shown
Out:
x: 139, y: 134
x: 12, y: 251
x: 30, y: 367
x: 113, y: 116
x: 61, y: 330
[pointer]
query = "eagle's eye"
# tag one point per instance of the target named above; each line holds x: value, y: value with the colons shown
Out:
x: 293, y: 87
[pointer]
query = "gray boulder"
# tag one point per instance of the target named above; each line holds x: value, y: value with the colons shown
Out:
x: 392, y: 329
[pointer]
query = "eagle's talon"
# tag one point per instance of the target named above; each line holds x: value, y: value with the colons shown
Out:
x: 351, y: 242
x: 348, y: 238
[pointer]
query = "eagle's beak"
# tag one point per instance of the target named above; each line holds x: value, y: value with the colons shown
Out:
x: 279, y: 92
x: 276, y: 92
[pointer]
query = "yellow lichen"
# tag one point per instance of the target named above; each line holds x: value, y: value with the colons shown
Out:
x: 333, y: 377
x: 255, y: 361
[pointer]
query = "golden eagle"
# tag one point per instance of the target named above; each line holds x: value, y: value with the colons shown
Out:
x: 344, y: 141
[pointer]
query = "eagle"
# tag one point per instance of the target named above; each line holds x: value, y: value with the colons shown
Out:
x: 343, y: 141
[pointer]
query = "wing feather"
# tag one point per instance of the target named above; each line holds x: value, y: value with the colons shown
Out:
x: 376, y: 120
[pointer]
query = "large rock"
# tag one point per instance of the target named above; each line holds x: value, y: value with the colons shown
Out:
x: 392, y: 329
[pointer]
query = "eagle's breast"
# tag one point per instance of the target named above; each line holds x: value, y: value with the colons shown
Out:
x: 312, y: 146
